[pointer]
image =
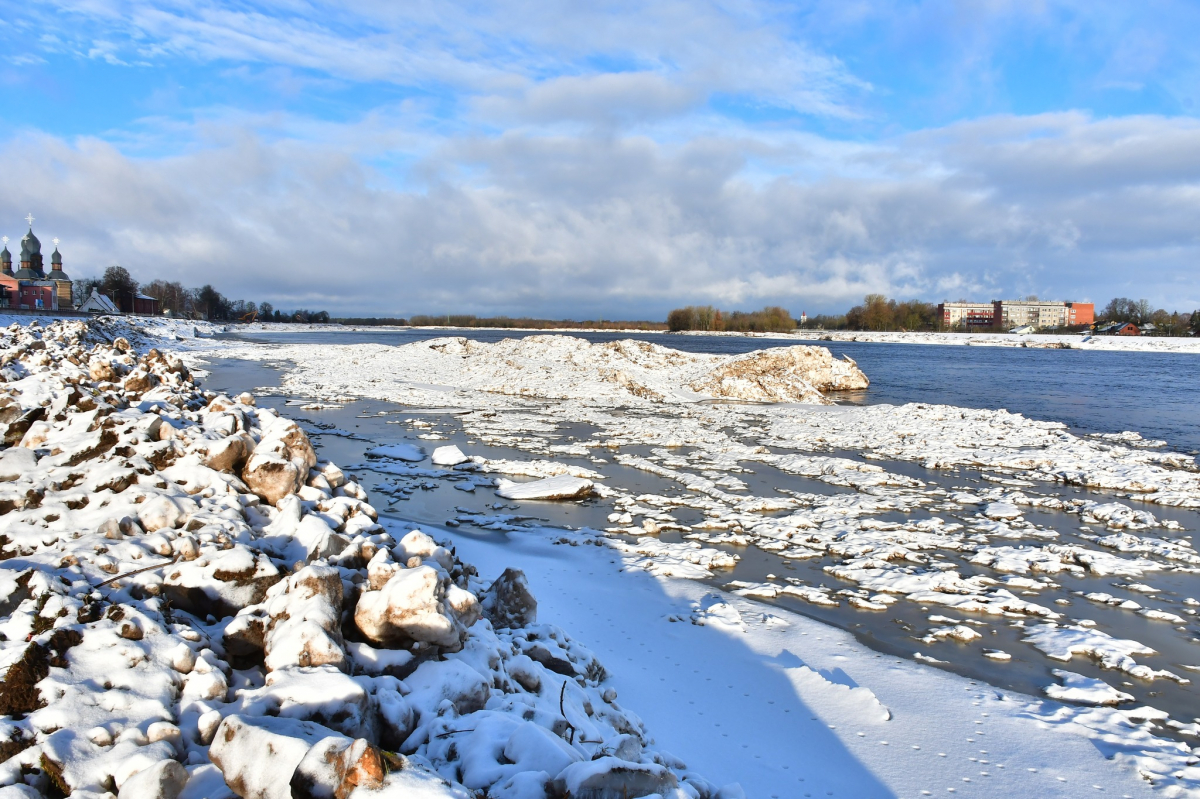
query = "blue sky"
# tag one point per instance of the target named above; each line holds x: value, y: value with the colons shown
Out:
x: 617, y: 159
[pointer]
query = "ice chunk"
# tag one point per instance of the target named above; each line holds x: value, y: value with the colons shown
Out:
x: 560, y: 487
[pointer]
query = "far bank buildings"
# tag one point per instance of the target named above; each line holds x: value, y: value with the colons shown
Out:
x: 30, y: 287
x: 1007, y: 314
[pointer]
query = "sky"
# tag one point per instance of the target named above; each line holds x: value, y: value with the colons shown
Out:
x: 610, y: 159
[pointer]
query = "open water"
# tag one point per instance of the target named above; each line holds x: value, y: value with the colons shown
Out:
x: 1155, y: 394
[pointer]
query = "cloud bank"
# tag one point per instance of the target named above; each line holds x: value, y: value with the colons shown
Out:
x: 616, y: 161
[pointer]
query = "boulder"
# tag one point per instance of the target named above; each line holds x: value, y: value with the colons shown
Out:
x: 227, y: 454
x: 335, y: 767
x: 16, y: 462
x: 163, y: 512
x: 417, y: 605
x: 258, y: 756
x: 299, y: 623
x: 139, y: 382
x: 220, y: 583
x: 163, y: 780
x: 508, y: 602
x: 280, y: 462
x: 610, y: 778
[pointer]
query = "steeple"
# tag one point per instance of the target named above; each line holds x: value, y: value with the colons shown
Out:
x: 31, y: 255
x: 5, y: 258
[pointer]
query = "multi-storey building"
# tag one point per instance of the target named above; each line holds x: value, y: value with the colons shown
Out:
x: 1042, y: 313
x: 967, y: 314
x: 1007, y: 314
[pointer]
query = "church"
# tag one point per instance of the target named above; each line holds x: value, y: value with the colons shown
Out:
x: 30, y: 288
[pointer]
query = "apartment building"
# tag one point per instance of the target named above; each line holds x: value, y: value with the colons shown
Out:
x: 1042, y: 313
x: 1007, y: 314
x: 969, y: 315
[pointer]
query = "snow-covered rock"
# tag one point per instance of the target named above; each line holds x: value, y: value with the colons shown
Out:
x: 419, y: 605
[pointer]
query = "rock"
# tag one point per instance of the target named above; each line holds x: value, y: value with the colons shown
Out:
x: 561, y: 486
x: 17, y: 428
x: 334, y: 767
x: 280, y: 462
x: 139, y: 382
x: 508, y: 602
x: 299, y: 623
x: 162, y: 512
x: 258, y: 756
x: 417, y: 544
x: 448, y: 456
x: 163, y: 780
x: 450, y: 680
x: 610, y: 778
x: 220, y: 583
x: 16, y: 462
x: 101, y: 371
x: 227, y: 454
x: 532, y: 747
x: 332, y: 474
x: 319, y: 539
x: 416, y: 605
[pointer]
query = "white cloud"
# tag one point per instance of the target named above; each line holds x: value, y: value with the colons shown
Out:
x: 574, y: 225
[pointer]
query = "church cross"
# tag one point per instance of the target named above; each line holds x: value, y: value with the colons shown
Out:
x: 5, y: 240
x: 29, y: 219
x: 55, y: 243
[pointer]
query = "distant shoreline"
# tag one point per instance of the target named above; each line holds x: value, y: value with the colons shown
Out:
x: 1073, y: 341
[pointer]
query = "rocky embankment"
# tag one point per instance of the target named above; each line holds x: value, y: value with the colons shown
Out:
x: 195, y: 605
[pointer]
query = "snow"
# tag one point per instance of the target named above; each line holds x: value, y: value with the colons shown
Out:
x: 714, y: 674
x: 1085, y: 690
x: 106, y: 686
x: 1074, y: 341
x: 697, y: 662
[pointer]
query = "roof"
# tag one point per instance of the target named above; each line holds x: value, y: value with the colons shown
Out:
x: 98, y: 303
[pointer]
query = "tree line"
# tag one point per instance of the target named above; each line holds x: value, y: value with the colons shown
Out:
x: 878, y: 312
x: 771, y: 319
x: 1141, y: 313
x: 524, y: 323
x: 177, y: 300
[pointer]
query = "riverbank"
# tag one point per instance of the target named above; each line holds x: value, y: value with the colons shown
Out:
x: 195, y: 604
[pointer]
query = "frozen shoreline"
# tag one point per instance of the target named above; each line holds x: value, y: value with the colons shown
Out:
x: 863, y: 723
x: 1014, y: 448
x: 1074, y: 341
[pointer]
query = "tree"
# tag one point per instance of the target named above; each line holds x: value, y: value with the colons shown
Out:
x: 82, y: 289
x: 210, y: 302
x: 120, y: 287
x: 878, y: 313
x: 172, y: 296
x: 266, y: 311
x: 680, y: 319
